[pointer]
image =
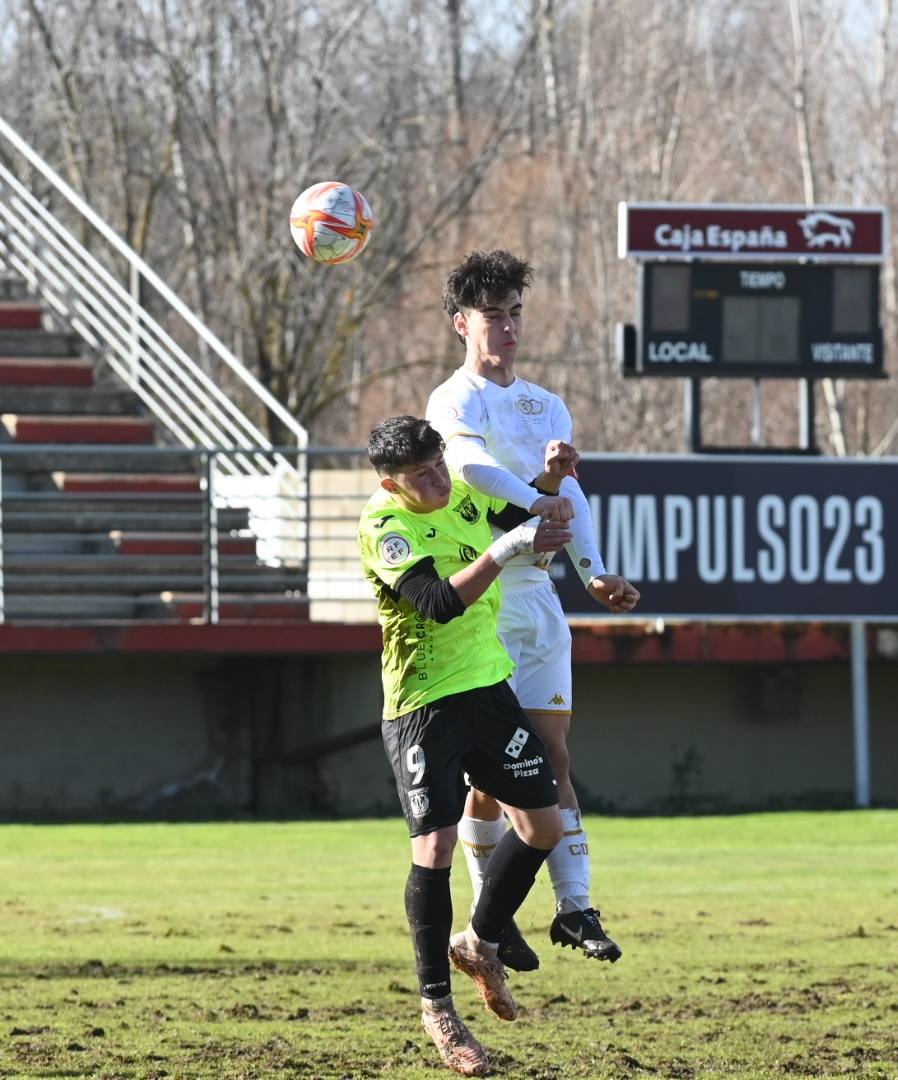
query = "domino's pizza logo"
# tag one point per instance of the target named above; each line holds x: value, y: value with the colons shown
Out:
x: 516, y: 743
x: 394, y: 549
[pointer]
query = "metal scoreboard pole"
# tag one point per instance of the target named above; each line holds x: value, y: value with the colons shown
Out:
x: 860, y: 702
x: 806, y: 413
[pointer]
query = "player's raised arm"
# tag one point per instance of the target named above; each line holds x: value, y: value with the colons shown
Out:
x: 610, y: 590
x: 469, y: 458
x: 444, y: 599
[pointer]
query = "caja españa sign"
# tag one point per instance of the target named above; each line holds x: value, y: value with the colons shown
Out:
x: 744, y: 536
x: 737, y: 231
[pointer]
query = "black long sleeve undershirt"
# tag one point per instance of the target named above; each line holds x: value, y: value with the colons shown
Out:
x: 432, y: 595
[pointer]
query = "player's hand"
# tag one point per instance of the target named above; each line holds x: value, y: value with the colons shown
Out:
x: 614, y: 593
x: 551, y: 535
x: 553, y: 508
x: 535, y: 535
x: 561, y: 459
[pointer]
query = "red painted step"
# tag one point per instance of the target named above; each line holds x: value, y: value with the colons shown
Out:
x: 128, y: 483
x: 19, y: 315
x: 183, y: 543
x: 79, y: 429
x: 36, y: 371
x: 191, y: 607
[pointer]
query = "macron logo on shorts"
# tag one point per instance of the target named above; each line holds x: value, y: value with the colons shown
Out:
x: 516, y: 743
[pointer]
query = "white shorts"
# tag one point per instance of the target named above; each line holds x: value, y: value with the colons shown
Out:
x: 535, y: 633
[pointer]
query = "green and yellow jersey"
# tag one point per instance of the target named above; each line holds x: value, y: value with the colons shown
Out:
x: 424, y: 660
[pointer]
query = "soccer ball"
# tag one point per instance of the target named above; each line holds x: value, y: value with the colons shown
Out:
x: 331, y: 222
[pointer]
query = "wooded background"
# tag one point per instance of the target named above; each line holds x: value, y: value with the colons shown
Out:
x: 191, y: 126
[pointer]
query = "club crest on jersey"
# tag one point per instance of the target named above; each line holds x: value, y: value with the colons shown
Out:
x: 528, y: 406
x: 468, y: 510
x: 419, y: 801
x: 394, y: 549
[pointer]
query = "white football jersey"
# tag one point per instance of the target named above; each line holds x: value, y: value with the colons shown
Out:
x: 515, y: 423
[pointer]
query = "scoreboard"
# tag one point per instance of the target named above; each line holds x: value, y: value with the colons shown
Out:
x: 754, y: 292
x: 759, y: 319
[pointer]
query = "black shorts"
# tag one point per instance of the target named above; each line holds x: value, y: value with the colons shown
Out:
x: 484, y: 733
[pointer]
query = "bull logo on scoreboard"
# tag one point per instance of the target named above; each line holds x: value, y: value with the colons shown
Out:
x: 821, y: 228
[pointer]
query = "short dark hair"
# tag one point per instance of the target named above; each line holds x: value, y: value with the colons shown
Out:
x: 401, y: 441
x: 484, y: 277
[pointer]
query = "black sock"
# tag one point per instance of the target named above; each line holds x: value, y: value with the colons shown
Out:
x: 509, y: 876
x: 428, y: 905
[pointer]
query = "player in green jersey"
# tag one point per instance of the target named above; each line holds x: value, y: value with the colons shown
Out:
x: 427, y: 548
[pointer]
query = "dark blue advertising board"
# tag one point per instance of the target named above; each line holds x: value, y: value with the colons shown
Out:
x: 741, y: 537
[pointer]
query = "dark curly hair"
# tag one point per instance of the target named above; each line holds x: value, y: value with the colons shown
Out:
x: 401, y: 441
x: 484, y: 277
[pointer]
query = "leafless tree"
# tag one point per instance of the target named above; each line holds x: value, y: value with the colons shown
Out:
x: 191, y: 125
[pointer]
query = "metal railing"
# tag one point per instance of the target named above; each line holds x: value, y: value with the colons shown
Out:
x: 79, y: 286
x: 133, y: 533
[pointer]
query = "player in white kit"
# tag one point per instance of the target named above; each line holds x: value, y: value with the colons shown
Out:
x: 496, y: 426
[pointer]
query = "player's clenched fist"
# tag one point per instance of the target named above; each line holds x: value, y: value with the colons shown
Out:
x: 561, y: 458
x: 615, y: 593
x: 553, y: 508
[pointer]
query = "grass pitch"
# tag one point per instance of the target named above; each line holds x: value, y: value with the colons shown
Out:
x: 759, y: 946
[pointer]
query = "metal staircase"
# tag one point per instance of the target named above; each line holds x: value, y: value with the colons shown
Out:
x: 131, y: 484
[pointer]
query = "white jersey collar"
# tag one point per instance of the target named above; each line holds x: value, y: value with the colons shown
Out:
x: 480, y: 383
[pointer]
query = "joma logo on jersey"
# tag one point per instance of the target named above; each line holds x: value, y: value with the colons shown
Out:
x: 468, y: 510
x: 516, y: 743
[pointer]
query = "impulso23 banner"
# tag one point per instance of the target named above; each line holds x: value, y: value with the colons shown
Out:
x: 744, y: 536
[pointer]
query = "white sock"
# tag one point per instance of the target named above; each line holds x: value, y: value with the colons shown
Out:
x: 478, y: 944
x: 569, y: 865
x: 438, y: 1004
x: 478, y: 839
